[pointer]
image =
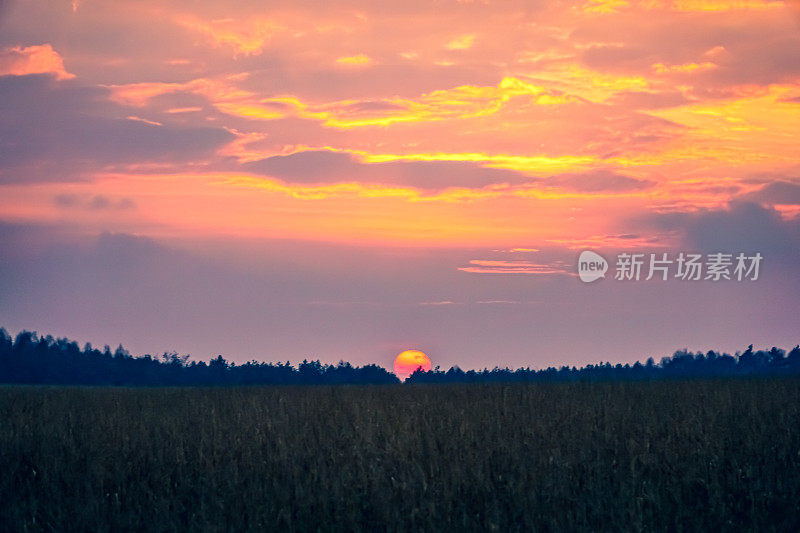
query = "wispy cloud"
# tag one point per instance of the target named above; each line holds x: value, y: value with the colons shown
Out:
x: 485, y: 266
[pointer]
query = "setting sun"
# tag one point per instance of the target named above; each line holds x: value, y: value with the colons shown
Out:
x: 408, y: 361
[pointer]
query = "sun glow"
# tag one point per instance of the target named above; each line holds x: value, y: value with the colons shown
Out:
x: 410, y: 360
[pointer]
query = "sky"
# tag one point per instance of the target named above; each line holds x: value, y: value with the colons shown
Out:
x: 277, y: 181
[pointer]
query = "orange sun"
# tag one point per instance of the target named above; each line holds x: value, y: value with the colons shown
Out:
x: 408, y: 361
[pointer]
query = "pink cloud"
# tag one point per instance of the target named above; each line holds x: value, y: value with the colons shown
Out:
x: 484, y: 266
x: 37, y: 59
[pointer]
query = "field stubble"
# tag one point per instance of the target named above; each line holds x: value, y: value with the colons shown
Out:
x: 678, y: 455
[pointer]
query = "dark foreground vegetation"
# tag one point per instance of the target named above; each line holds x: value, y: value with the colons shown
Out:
x: 31, y: 359
x: 712, y: 455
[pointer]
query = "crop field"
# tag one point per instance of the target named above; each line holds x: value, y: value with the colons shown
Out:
x: 650, y: 456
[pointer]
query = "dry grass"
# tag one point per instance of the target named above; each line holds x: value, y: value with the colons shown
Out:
x: 683, y: 455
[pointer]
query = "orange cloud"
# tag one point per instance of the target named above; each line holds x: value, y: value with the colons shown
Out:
x: 480, y: 266
x: 748, y: 129
x: 594, y: 85
x: 661, y: 68
x: 462, y: 42
x: 222, y: 94
x: 184, y: 110
x: 245, y: 37
x: 38, y: 59
x: 604, y: 6
x: 612, y: 241
x: 532, y: 164
x: 360, y: 59
x: 138, y: 94
x: 461, y: 102
x: 724, y: 5
x: 692, y: 114
x: 144, y: 120
x: 222, y: 91
x: 458, y: 103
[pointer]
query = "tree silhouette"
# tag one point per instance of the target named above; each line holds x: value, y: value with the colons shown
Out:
x: 31, y: 359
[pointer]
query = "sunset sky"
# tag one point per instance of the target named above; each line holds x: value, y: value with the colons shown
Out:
x: 346, y: 180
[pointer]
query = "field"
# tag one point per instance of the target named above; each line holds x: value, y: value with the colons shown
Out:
x: 669, y: 455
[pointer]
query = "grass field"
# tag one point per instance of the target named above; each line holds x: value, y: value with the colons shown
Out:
x: 680, y: 455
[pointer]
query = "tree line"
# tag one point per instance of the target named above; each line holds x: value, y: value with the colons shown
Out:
x: 29, y: 358
x: 682, y: 364
x: 32, y: 359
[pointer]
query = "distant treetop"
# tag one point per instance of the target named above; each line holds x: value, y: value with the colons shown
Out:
x: 31, y: 359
